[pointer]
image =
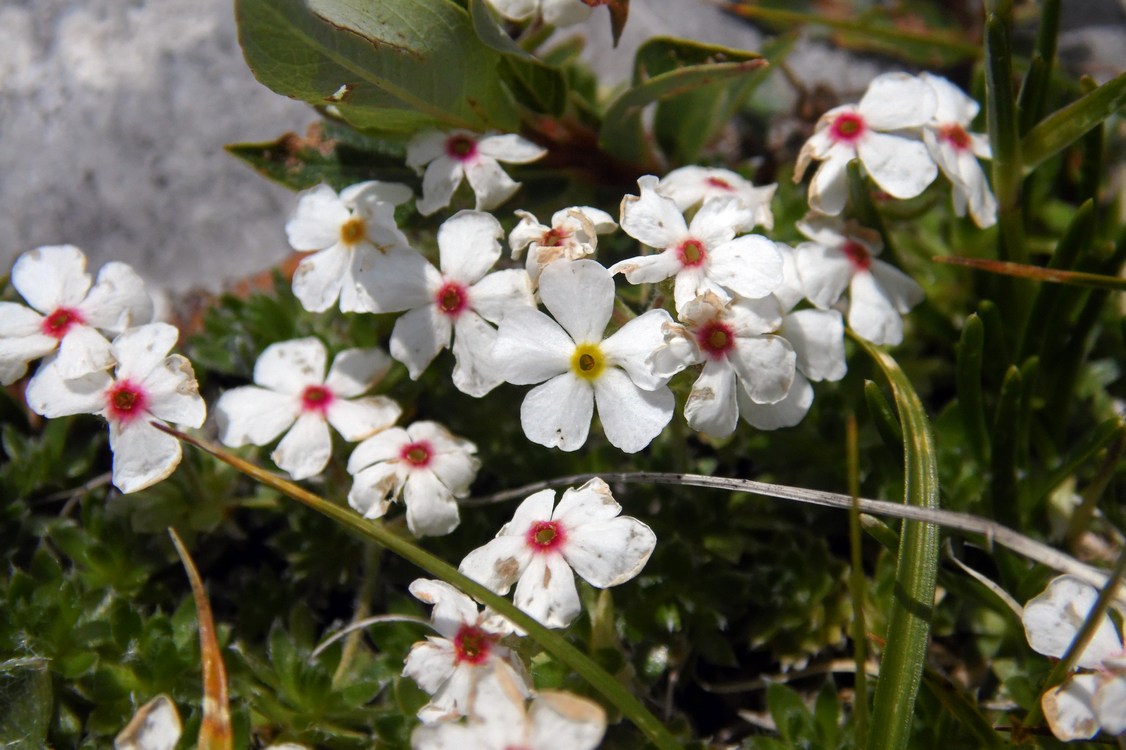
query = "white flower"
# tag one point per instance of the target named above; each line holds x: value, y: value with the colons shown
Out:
x: 573, y: 234
x: 425, y: 463
x: 555, y: 12
x: 155, y: 726
x: 691, y: 186
x: 539, y: 548
x: 582, y: 369
x: 147, y: 384
x: 65, y: 313
x: 842, y: 256
x: 293, y: 393
x: 456, y: 301
x: 466, y: 657
x: 705, y: 256
x: 448, y: 157
x: 875, y: 131
x: 555, y: 721
x: 956, y: 151
x: 350, y: 234
x: 1089, y: 700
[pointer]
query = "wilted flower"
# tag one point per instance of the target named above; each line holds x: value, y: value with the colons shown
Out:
x: 573, y: 234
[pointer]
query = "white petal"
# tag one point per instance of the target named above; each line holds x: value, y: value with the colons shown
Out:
x: 319, y: 277
x: 373, y: 192
x: 118, y: 300
x: 306, y: 448
x: 515, y: 10
x: 825, y: 273
x: 475, y: 371
x: 1069, y: 708
x: 430, y: 663
x: 253, y: 415
x: 871, y: 314
x: 510, y: 148
x: 766, y: 366
x: 631, y: 416
x: 1052, y: 620
x: 354, y: 371
x: 400, y: 279
x: 900, y: 166
x: 155, y: 726
x: 648, y: 269
x: 547, y: 592
x: 452, y: 460
x: 716, y: 221
x: 442, y: 177
x: 609, y: 552
x: 431, y: 510
x: 52, y: 276
x: 498, y: 564
x: 536, y: 507
x: 1110, y: 703
x: 496, y: 294
x: 788, y: 412
x: 560, y: 13
x: 750, y: 266
x: 174, y: 393
x: 375, y: 488
x: 418, y: 336
x: 591, y: 502
x: 491, y: 184
x: 359, y: 418
x: 469, y: 245
x: 557, y: 413
x: 48, y: 395
x: 316, y: 222
x: 603, y: 222
x: 16, y: 353
x: 428, y: 145
x: 711, y: 407
x: 818, y: 340
x: 580, y: 294
x: 531, y: 347
x: 951, y: 103
x: 83, y: 350
x: 382, y: 446
x: 450, y: 608
x: 631, y: 346
x: 289, y: 366
x: 139, y: 350
x: 651, y: 218
x: 19, y: 320
x: 562, y: 721
x: 895, y: 101
x: 142, y: 455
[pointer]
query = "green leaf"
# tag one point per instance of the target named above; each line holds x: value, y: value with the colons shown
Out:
x: 536, y: 85
x: 1001, y: 118
x: 791, y: 717
x: 1063, y: 127
x: 25, y: 703
x: 964, y: 710
x: 901, y: 665
x: 392, y: 66
x: 968, y: 380
x: 665, y: 68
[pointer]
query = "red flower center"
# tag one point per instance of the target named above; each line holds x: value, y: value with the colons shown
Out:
x: 955, y: 135
x: 472, y: 645
x: 716, y: 182
x: 554, y: 237
x: 716, y: 339
x: 126, y: 401
x: 545, y: 536
x: 461, y: 147
x: 417, y: 454
x: 847, y: 128
x: 316, y: 398
x: 58, y: 323
x: 858, y: 255
x: 451, y: 298
x: 692, y: 253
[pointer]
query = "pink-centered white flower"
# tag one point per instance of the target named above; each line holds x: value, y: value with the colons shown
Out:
x: 691, y: 186
x: 541, y: 549
x: 555, y: 720
x: 704, y: 256
x: 292, y: 393
x: 425, y: 464
x: 445, y: 158
x: 556, y: 13
x: 880, y: 132
x: 1095, y: 698
x: 465, y: 657
x: 581, y: 369
x: 460, y: 301
x: 67, y: 314
x: 573, y: 234
x: 956, y: 151
x: 346, y: 235
x: 842, y: 255
x: 147, y: 384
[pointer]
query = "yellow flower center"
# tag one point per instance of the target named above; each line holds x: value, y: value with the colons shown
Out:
x: 588, y: 361
x: 352, y: 231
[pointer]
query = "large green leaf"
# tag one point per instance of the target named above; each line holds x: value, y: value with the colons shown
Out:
x: 536, y: 85
x: 393, y: 66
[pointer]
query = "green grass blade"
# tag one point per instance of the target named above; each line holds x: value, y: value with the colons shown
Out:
x: 971, y: 403
x: 1063, y: 127
x: 901, y: 665
x: 1001, y: 118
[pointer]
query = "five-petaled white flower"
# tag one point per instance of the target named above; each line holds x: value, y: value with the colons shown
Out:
x: 691, y: 186
x: 425, y: 463
x: 841, y: 256
x: 1092, y: 699
x: 878, y: 132
x: 555, y: 12
x: 350, y: 234
x: 66, y: 314
x: 454, y: 667
x: 573, y: 234
x: 582, y: 369
x: 538, y: 549
x: 704, y: 256
x: 147, y: 384
x: 448, y: 157
x: 460, y: 300
x: 555, y: 721
x: 956, y: 151
x: 293, y: 393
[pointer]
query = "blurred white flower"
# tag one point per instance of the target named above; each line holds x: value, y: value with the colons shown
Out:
x: 573, y: 234
x: 692, y: 186
x: 555, y: 12
x: 293, y: 393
